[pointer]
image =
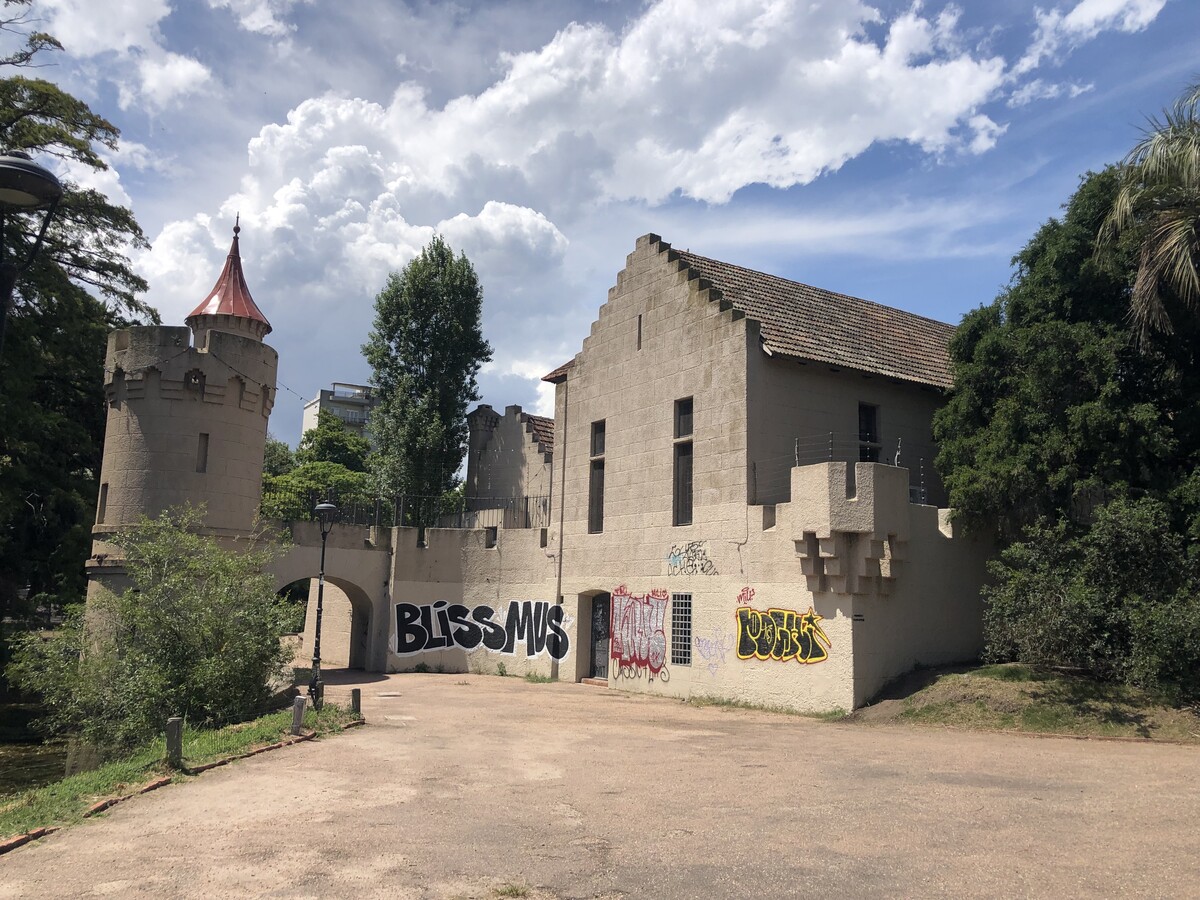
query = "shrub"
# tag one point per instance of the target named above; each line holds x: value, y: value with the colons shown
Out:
x: 197, y: 635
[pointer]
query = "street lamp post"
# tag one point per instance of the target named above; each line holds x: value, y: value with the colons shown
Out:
x: 326, y: 513
x: 24, y: 186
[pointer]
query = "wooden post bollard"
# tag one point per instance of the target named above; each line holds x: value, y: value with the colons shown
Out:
x: 297, y: 714
x: 175, y: 742
x: 356, y: 701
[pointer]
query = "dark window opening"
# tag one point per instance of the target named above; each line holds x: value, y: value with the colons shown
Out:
x: 683, y: 417
x: 683, y: 484
x: 596, y: 498
x: 489, y: 536
x: 598, y: 438
x: 639, y: 336
x: 868, y: 433
x: 103, y: 504
x: 202, y: 453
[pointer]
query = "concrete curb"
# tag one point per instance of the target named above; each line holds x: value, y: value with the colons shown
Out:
x: 95, y: 809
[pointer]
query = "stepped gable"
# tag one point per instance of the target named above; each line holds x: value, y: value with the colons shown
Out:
x: 809, y: 323
x: 230, y: 296
x: 542, y: 430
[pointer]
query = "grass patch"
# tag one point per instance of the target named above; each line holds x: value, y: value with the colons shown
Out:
x: 831, y: 715
x: 512, y: 890
x: 64, y: 802
x: 538, y: 678
x: 1024, y: 698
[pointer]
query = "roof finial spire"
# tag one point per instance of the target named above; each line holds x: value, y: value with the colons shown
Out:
x: 237, y: 226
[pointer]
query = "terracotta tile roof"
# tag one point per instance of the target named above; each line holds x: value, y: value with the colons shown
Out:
x: 810, y: 323
x: 559, y: 374
x: 542, y: 430
x: 230, y: 296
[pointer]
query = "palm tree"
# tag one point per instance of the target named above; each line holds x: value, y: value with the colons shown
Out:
x: 1159, y: 197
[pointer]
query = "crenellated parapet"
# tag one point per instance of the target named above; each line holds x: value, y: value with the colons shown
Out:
x: 852, y: 534
x: 159, y: 362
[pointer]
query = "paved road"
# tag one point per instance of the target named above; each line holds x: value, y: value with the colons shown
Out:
x: 467, y: 786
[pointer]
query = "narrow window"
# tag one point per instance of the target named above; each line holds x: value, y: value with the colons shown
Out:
x: 596, y: 480
x: 681, y: 629
x: 596, y: 498
x: 639, y: 342
x: 683, y: 417
x: 103, y: 504
x: 868, y: 433
x: 683, y: 483
x: 489, y: 536
x: 598, y: 438
x: 681, y: 504
x: 202, y: 453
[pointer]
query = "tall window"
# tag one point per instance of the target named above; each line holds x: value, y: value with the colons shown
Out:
x: 596, y: 480
x: 868, y: 433
x: 681, y: 629
x: 682, y: 500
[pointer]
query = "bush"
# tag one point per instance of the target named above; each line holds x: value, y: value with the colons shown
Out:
x: 1119, y: 599
x: 197, y: 635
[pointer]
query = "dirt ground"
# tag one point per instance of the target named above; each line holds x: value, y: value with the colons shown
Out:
x: 477, y: 786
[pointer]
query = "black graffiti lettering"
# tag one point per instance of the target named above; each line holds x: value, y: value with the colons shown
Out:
x: 410, y: 637
x: 432, y: 641
x: 519, y: 627
x: 557, y: 641
x: 493, y: 634
x: 444, y: 623
x: 536, y: 623
x: 466, y: 633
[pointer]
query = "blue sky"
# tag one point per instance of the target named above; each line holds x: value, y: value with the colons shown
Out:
x: 897, y: 151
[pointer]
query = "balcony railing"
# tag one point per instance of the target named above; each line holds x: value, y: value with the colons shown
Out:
x: 771, y: 479
x: 447, y: 511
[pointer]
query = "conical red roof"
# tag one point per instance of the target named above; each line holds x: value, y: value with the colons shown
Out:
x: 230, y: 296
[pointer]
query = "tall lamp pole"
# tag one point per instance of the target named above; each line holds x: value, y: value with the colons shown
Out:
x: 326, y: 513
x: 24, y: 186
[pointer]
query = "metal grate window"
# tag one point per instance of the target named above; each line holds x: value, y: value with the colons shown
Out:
x: 681, y: 629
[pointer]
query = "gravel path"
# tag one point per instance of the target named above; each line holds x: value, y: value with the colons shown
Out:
x: 470, y: 786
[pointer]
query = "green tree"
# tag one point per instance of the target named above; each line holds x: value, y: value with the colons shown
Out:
x: 1054, y: 409
x: 293, y: 495
x: 278, y: 458
x: 1159, y: 200
x: 332, y: 442
x: 197, y: 635
x: 1076, y: 445
x: 51, y: 372
x: 425, y: 351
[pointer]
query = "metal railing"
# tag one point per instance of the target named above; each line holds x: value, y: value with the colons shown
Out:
x: 771, y: 478
x: 447, y: 511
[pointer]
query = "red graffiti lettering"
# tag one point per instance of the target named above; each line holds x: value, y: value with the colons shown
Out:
x: 638, y: 637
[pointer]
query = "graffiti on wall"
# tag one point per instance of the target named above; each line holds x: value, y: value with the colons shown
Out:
x: 712, y: 649
x: 781, y: 634
x: 639, y: 640
x: 745, y: 596
x: 537, y: 623
x: 690, y: 559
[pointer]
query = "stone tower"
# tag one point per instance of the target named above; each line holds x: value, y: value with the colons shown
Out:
x: 187, y: 419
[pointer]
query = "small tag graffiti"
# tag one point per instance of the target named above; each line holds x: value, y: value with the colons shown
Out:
x: 638, y: 638
x: 781, y: 634
x: 712, y: 650
x: 536, y: 622
x: 690, y: 559
x: 745, y: 596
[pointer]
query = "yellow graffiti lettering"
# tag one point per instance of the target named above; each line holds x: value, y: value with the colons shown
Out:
x: 782, y: 635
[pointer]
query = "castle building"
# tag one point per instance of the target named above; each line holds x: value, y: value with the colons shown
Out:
x: 187, y: 419
x: 735, y: 497
x: 740, y: 503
